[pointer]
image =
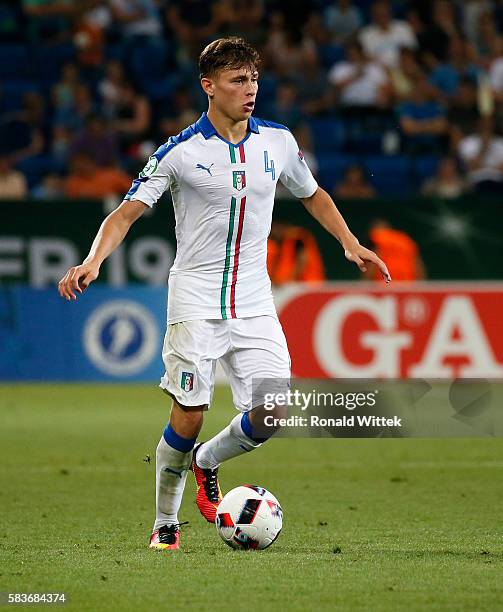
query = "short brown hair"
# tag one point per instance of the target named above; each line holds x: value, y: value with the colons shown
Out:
x: 230, y: 53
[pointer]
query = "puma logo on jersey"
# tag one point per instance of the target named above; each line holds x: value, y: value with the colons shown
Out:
x: 208, y: 169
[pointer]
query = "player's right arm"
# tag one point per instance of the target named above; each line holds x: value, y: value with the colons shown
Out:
x: 110, y: 235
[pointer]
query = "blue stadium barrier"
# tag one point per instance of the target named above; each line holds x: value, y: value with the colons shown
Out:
x: 107, y: 335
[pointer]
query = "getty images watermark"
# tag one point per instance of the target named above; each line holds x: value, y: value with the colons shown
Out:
x: 318, y: 399
x: 369, y: 408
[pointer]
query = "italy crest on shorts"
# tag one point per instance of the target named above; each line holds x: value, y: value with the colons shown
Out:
x: 239, y: 179
x: 187, y: 382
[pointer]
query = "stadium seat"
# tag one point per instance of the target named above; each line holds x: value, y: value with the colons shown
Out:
x: 149, y: 61
x: 423, y: 168
x: 35, y: 168
x: 12, y: 92
x: 331, y: 168
x: 329, y: 135
x: 50, y: 59
x: 15, y: 61
x: 267, y: 89
x: 388, y: 175
x: 330, y: 54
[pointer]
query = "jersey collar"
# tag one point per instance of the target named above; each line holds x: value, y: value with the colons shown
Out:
x: 207, y: 129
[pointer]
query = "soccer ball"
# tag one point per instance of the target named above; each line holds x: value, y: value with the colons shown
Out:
x: 249, y: 517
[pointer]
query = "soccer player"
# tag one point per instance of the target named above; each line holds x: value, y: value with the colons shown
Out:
x: 222, y: 172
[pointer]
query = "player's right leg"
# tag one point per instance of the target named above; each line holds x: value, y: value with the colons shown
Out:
x: 173, y: 459
x: 189, y: 354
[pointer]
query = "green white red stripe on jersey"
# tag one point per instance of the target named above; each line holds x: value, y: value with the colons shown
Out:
x: 231, y: 266
x: 233, y: 244
x: 237, y: 158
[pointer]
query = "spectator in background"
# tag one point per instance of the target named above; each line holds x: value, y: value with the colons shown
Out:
x: 433, y: 32
x: 445, y: 18
x: 385, y: 36
x: 87, y: 180
x: 60, y: 144
x: 83, y: 106
x: 447, y: 183
x: 181, y: 113
x: 22, y: 133
x: 48, y: 20
x: 463, y: 114
x: 52, y: 187
x: 311, y: 83
x: 404, y: 76
x: 496, y: 72
x: 136, y: 18
x: 487, y: 35
x: 89, y: 33
x: 472, y: 10
x: 64, y: 91
x: 354, y: 186
x: 422, y: 120
x: 401, y: 252
x: 109, y: 88
x: 342, y: 19
x: 193, y: 22
x: 482, y: 155
x: 285, y: 108
x: 98, y: 141
x: 133, y: 117
x: 304, y: 139
x: 288, y: 49
x: 293, y: 255
x: 244, y: 18
x: 358, y: 81
x: 13, y: 184
x: 460, y: 64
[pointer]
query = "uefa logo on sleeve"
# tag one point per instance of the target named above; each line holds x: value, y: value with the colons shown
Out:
x: 120, y: 338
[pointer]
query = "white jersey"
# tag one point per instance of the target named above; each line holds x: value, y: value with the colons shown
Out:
x: 223, y: 197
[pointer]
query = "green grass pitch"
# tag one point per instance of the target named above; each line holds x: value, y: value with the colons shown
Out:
x: 369, y: 524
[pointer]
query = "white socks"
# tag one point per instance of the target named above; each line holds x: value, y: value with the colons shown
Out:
x: 174, y: 455
x: 230, y: 442
x: 171, y: 473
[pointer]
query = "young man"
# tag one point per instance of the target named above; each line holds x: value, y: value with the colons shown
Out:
x: 222, y: 172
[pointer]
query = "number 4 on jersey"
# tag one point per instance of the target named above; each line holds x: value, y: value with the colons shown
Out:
x: 269, y: 165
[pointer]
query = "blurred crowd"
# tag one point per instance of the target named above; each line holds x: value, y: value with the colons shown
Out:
x: 384, y: 98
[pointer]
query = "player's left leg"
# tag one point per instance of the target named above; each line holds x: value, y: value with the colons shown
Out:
x: 259, y: 351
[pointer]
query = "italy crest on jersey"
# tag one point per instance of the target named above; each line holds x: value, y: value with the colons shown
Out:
x: 239, y: 179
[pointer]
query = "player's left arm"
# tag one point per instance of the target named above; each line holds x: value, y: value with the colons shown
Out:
x: 321, y: 206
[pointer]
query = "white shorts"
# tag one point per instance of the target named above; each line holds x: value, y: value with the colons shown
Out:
x: 248, y: 349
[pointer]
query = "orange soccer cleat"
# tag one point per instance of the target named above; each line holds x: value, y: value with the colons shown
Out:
x: 208, y: 490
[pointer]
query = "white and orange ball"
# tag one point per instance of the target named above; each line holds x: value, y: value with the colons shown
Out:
x: 249, y: 517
